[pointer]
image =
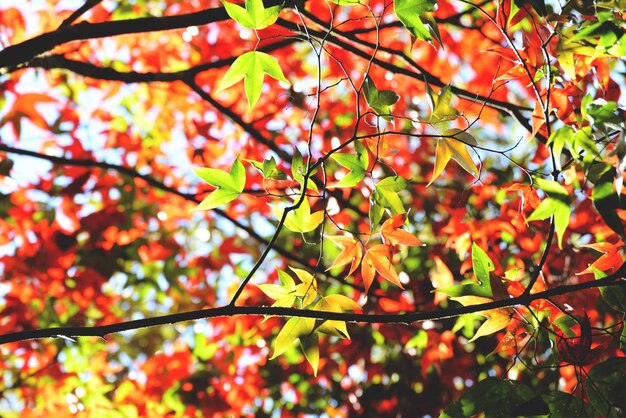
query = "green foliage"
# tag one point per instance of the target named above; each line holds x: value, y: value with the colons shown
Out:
x: 299, y: 170
x: 557, y: 206
x: 416, y: 16
x: 252, y: 67
x: 357, y: 164
x: 606, y: 387
x: 254, y: 16
x: 501, y: 398
x: 607, y: 201
x: 229, y: 185
x: 268, y: 169
x: 379, y: 100
x: 300, y: 219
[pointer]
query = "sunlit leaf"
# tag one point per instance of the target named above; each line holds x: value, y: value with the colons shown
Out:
x: 356, y: 163
x: 393, y: 235
x: 352, y: 252
x: 229, y: 185
x: 561, y: 211
x: 335, y: 303
x: 254, y: 15
x: 482, y: 266
x: 379, y: 100
x: 307, y: 290
x: 410, y: 13
x: 298, y: 171
x: 448, y: 148
x: 268, y: 169
x: 497, y: 319
x: 290, y: 332
x: 387, y: 191
x: 441, y: 278
x: 379, y: 258
x: 301, y: 219
x: 310, y: 346
x: 252, y: 67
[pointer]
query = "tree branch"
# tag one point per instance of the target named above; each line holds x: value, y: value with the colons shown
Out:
x: 230, y: 310
x: 19, y: 54
x: 89, y: 4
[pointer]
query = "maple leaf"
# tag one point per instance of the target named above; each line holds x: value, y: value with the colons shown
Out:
x: 482, y: 267
x: 290, y: 332
x: 229, y: 185
x: 252, y: 67
x: 393, y: 235
x: 415, y: 16
x: 24, y: 107
x: 555, y: 205
x: 307, y: 290
x: 441, y: 278
x: 610, y: 260
x: 301, y: 219
x: 310, y: 345
x: 352, y: 252
x: 287, y: 292
x: 284, y: 294
x: 497, y: 319
x: 379, y: 100
x: 335, y: 303
x: 575, y: 349
x: 268, y: 169
x: 298, y: 170
x: 442, y: 106
x: 386, y: 196
x: 378, y: 259
x: 357, y: 164
x: 255, y: 15
x: 450, y: 148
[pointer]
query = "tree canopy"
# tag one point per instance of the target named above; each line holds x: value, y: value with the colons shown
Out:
x: 312, y: 208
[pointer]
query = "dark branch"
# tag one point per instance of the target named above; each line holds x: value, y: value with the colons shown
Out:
x: 23, y: 52
x: 89, y: 4
x: 406, y: 318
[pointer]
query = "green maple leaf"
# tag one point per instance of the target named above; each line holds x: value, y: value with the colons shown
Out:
x: 298, y: 170
x: 252, y: 67
x: 416, y: 16
x: 443, y: 109
x: 229, y: 185
x: 255, y: 15
x: 387, y: 191
x: 268, y: 169
x: 301, y: 219
x: 357, y: 164
x: 379, y: 100
x: 557, y: 205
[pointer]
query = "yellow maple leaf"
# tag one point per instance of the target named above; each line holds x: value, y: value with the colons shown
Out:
x: 453, y: 145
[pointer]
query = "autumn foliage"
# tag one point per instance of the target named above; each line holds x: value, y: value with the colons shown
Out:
x: 313, y: 208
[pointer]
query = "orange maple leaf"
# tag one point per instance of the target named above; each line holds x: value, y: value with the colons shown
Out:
x: 378, y: 259
x: 392, y: 234
x: 352, y: 252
